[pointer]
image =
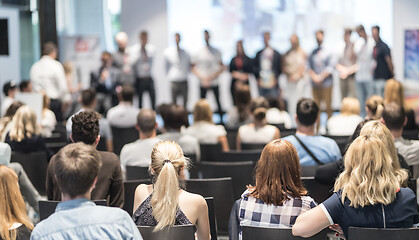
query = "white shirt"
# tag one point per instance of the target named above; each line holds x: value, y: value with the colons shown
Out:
x: 48, y: 122
x: 48, y: 75
x: 365, y: 60
x: 275, y: 116
x: 207, y: 62
x: 123, y: 115
x: 205, y: 132
x: 189, y: 144
x: 249, y: 134
x: 409, y: 149
x: 137, y: 153
x: 7, y: 101
x: 142, y: 65
x: 177, y: 64
x: 343, y: 125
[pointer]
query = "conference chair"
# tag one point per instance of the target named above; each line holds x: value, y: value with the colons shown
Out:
x: 129, y: 191
x: 210, y: 152
x: 252, y: 233
x: 102, y: 146
x: 193, y: 165
x: 211, y: 217
x: 411, y: 134
x: 232, y: 137
x: 46, y: 208
x: 252, y: 146
x: 122, y: 136
x: 54, y: 147
x: 221, y: 189
x: 179, y: 232
x: 35, y: 165
x: 240, y: 156
x: 287, y: 132
x: 357, y: 233
x: 342, y: 141
x: 135, y: 172
x: 308, y: 171
x: 280, y: 126
x: 318, y: 191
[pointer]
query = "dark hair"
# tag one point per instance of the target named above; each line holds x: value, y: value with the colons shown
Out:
x: 75, y: 167
x: 49, y: 48
x: 348, y: 31
x: 85, y: 127
x: 143, y: 33
x: 376, y: 27
x: 146, y: 120
x: 360, y: 28
x: 258, y: 107
x: 277, y: 103
x: 243, y: 101
x: 88, y: 96
x: 7, y: 87
x: 206, y: 31
x: 307, y: 111
x: 127, y: 93
x: 23, y: 85
x: 394, y: 116
x: 11, y: 111
x: 175, y: 117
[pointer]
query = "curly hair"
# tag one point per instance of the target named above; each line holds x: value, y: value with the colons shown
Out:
x: 85, y: 127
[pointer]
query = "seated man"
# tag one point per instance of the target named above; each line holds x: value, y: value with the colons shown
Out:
x: 76, y: 168
x: 109, y: 185
x: 312, y: 150
x: 124, y: 115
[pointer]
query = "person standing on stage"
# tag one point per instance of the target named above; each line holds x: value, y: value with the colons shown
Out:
x: 208, y: 66
x: 347, y: 66
x: 267, y: 69
x: 240, y: 67
x: 178, y: 64
x: 384, y: 68
x: 120, y: 59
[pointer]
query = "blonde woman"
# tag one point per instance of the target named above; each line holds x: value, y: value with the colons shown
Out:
x: 374, y: 107
x: 344, y: 124
x: 14, y: 223
x: 48, y: 120
x: 367, y: 194
x: 164, y: 203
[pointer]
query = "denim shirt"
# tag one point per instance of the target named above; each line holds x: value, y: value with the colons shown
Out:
x: 82, y: 219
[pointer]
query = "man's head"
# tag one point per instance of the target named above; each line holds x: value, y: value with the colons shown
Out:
x: 88, y: 98
x: 25, y: 86
x: 76, y: 167
x: 307, y: 111
x: 375, y: 31
x: 85, y: 127
x: 106, y: 59
x: 394, y: 116
x: 361, y: 31
x: 347, y: 35
x: 126, y: 94
x: 177, y: 38
x: 121, y: 39
x: 49, y: 49
x: 146, y: 121
x: 266, y: 38
x: 143, y: 38
x: 9, y: 89
x: 175, y: 117
x: 319, y: 37
x: 206, y: 36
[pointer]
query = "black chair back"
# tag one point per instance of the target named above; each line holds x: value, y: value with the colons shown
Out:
x: 240, y: 156
x: 122, y: 136
x: 411, y: 134
x: 251, y: 233
x: 54, y: 147
x: 308, y: 171
x: 221, y: 189
x: 46, y: 208
x: 288, y: 131
x: 129, y: 191
x: 102, y: 146
x: 356, y: 233
x: 193, y: 165
x: 181, y: 232
x: 35, y: 165
x: 232, y: 137
x: 318, y: 191
x: 135, y: 172
x: 280, y: 126
x: 240, y: 172
x: 342, y: 141
x: 211, y: 217
x: 252, y: 146
x: 210, y: 152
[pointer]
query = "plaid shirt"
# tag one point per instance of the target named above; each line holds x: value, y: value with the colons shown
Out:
x: 255, y: 212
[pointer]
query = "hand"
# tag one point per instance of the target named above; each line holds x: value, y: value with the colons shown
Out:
x: 104, y: 75
x: 338, y: 230
x: 316, y: 79
x: 205, y: 82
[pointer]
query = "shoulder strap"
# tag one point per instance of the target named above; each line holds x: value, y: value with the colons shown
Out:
x: 308, y: 151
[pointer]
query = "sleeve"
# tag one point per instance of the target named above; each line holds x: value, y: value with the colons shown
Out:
x: 122, y: 158
x: 131, y: 231
x: 386, y: 51
x: 221, y: 131
x: 256, y: 65
x: 333, y: 208
x: 234, y: 222
x: 116, y: 191
x: 232, y: 65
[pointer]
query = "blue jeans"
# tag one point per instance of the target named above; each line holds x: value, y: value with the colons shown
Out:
x: 269, y: 92
x: 364, y: 91
x: 379, y: 85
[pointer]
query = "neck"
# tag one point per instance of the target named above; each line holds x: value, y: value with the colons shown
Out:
x: 396, y: 133
x: 88, y: 107
x: 65, y: 197
x: 144, y: 135
x: 259, y: 123
x: 306, y: 130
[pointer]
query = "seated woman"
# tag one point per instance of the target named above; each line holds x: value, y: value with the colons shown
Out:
x: 6, y: 121
x: 239, y: 114
x: 164, y: 203
x: 278, y: 191
x: 24, y: 135
x: 277, y: 114
x: 48, y: 120
x: 259, y: 131
x: 374, y: 107
x: 344, y: 124
x: 204, y: 129
x: 15, y: 224
x: 367, y: 194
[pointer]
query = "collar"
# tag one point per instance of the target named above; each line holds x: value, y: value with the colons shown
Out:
x: 75, y: 203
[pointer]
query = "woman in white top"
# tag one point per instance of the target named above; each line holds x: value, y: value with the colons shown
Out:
x: 204, y: 129
x: 48, y: 120
x: 344, y: 124
x: 258, y: 131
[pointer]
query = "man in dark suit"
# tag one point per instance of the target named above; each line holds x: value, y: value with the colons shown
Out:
x: 109, y: 183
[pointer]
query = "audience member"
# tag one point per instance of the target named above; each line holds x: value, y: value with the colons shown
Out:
x: 259, y: 131
x: 204, y: 129
x: 347, y: 66
x: 240, y: 68
x: 76, y: 168
x: 9, y: 90
x: 384, y: 66
x: 124, y: 115
x: 374, y: 107
x: 312, y: 149
x: 25, y: 86
x: 109, y: 184
x: 344, y: 124
x: 164, y: 203
x: 88, y: 102
x: 74, y: 87
x: 366, y: 194
x: 15, y: 224
x: 138, y: 153
x: 48, y: 120
x: 240, y: 114
x: 277, y: 114
x: 6, y: 121
x: 121, y: 59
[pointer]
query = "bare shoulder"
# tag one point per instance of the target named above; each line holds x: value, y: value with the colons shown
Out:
x: 143, y: 191
x: 192, y: 198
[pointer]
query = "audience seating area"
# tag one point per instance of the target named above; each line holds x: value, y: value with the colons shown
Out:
x: 46, y: 208
x: 122, y: 137
x: 252, y: 233
x: 183, y: 232
x: 380, y: 233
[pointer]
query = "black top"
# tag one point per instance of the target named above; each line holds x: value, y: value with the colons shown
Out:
x: 381, y: 51
x: 27, y: 145
x: 242, y: 64
x: 276, y: 64
x: 23, y: 233
x: 411, y: 121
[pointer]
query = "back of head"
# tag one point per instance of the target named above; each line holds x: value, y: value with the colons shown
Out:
x: 369, y: 177
x: 307, y: 111
x: 127, y: 93
x: 167, y: 162
x: 394, y: 92
x: 49, y: 48
x: 11, y: 111
x: 360, y: 28
x: 146, y: 120
x: 258, y: 107
x: 350, y: 106
x: 76, y: 167
x: 24, y: 124
x: 85, y: 127
x: 24, y: 86
x: 12, y: 206
x: 243, y: 100
x: 277, y: 173
x: 88, y: 97
x: 375, y: 106
x: 7, y: 87
x: 394, y: 116
x: 202, y: 111
x: 176, y: 116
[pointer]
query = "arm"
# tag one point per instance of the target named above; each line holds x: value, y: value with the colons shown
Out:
x: 310, y: 223
x: 202, y: 224
x: 389, y: 64
x: 141, y: 193
x: 116, y: 189
x: 109, y: 145
x: 224, y: 143
x: 238, y: 142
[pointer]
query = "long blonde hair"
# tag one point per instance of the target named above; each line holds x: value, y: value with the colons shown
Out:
x: 12, y: 206
x: 202, y: 111
x: 369, y: 177
x: 380, y: 131
x: 24, y: 124
x: 394, y: 92
x: 167, y: 162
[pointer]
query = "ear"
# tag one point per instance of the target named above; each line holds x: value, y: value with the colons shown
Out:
x: 137, y: 127
x: 93, y: 184
x: 382, y: 121
x: 295, y: 118
x: 71, y: 138
x: 97, y: 140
